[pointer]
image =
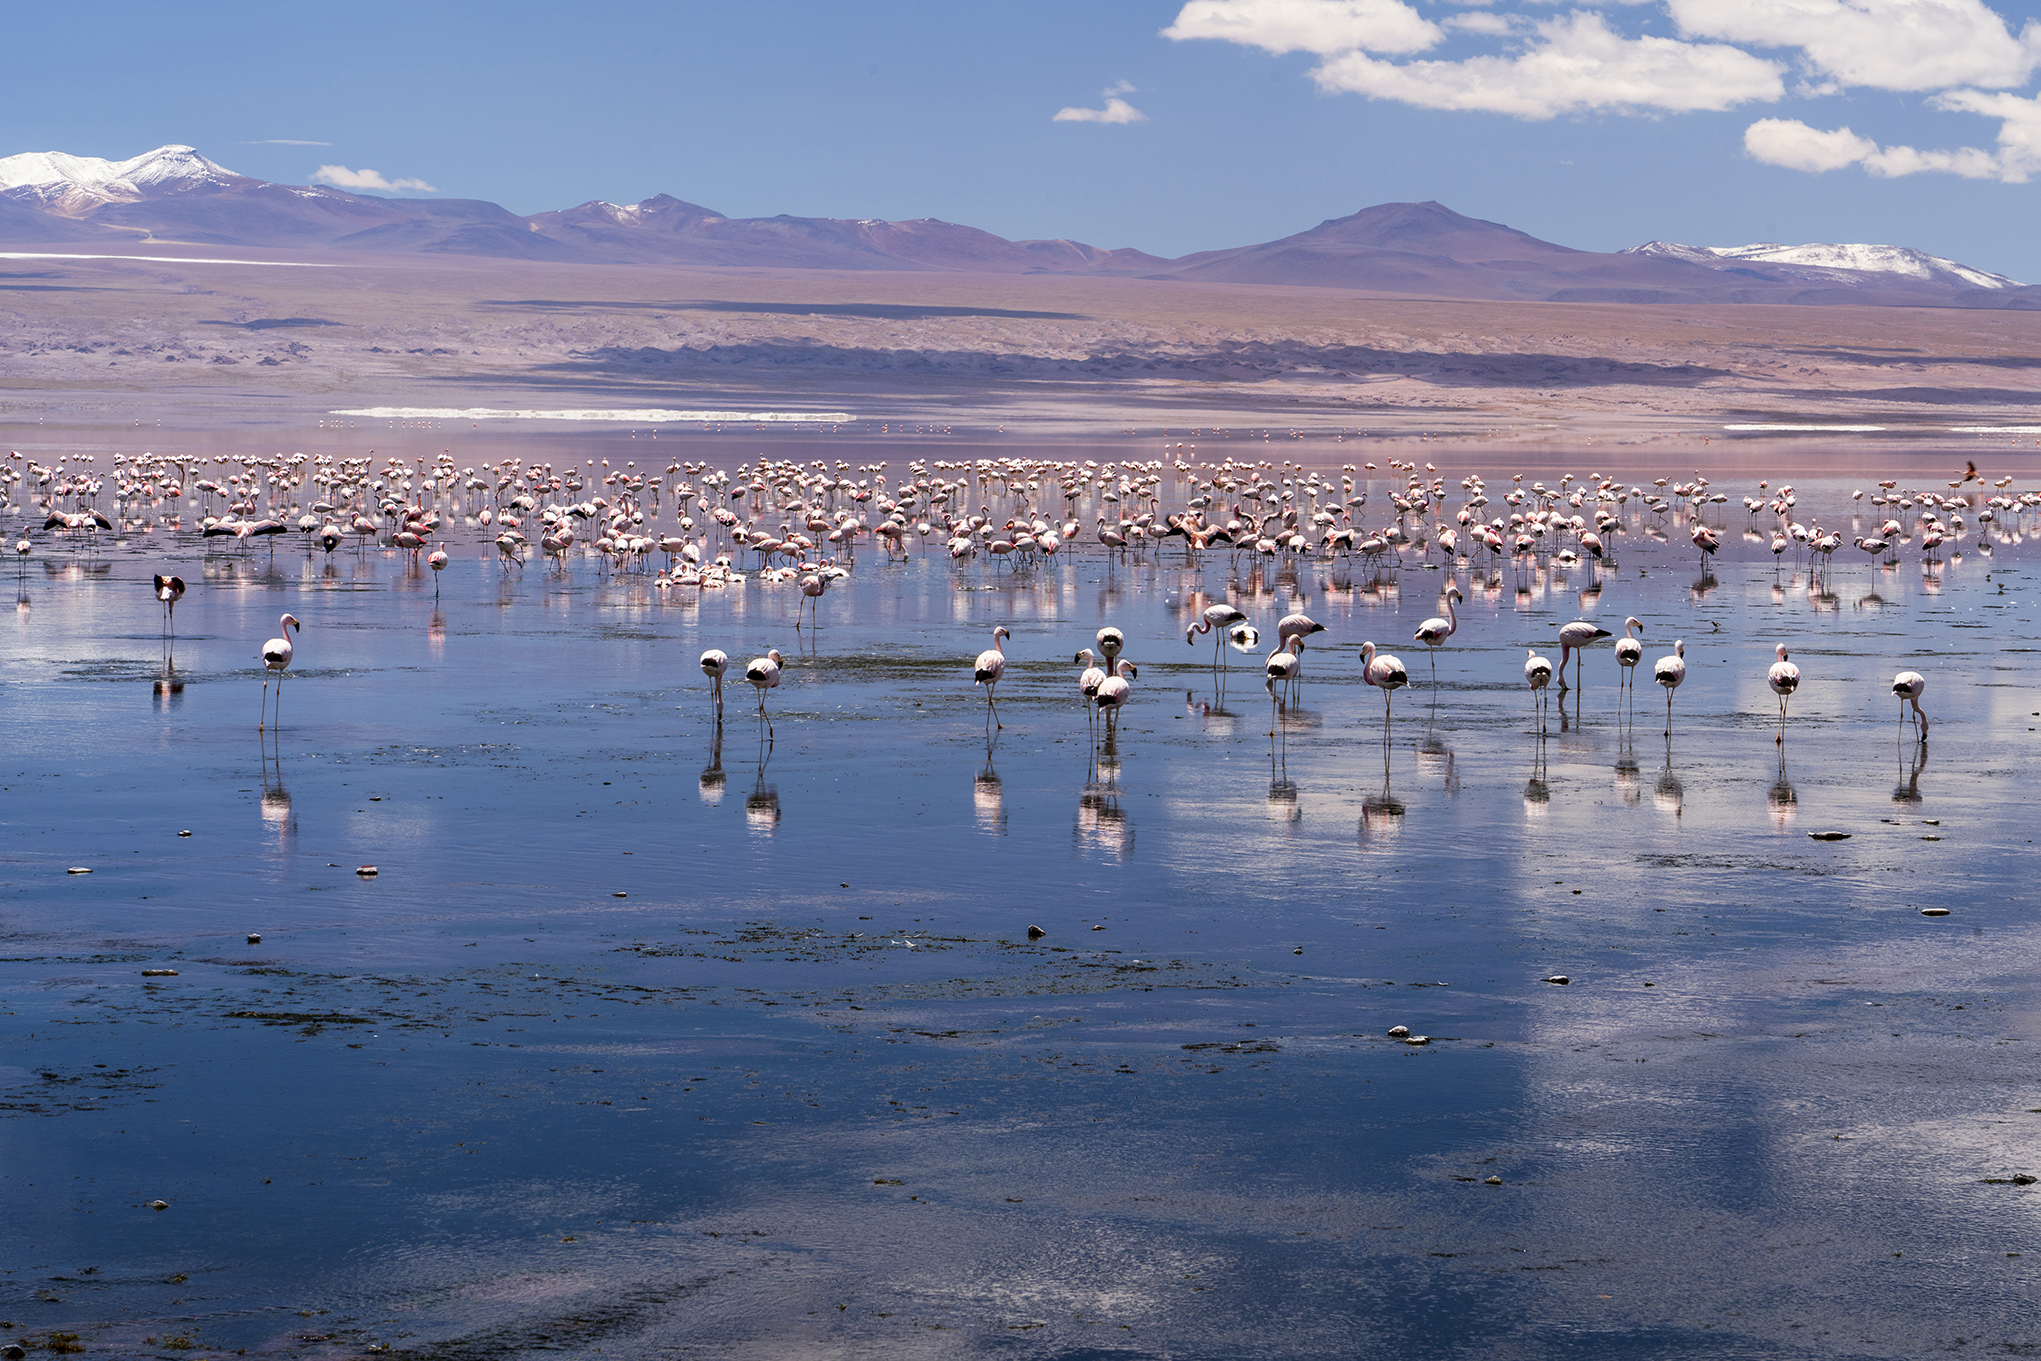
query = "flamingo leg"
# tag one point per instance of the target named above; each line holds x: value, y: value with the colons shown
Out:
x: 264, y: 718
x: 1668, y: 711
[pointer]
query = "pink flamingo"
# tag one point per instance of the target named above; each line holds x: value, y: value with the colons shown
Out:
x: 276, y: 659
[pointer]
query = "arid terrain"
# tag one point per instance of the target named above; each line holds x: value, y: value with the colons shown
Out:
x: 104, y: 341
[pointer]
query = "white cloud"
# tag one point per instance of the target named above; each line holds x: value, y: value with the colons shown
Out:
x: 1117, y: 110
x: 284, y: 141
x: 1790, y: 143
x: 1578, y: 63
x: 365, y: 178
x: 1886, y: 44
x: 1322, y: 26
x: 2019, y: 134
x: 1482, y: 21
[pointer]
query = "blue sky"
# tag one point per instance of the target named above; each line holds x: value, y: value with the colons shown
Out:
x: 1599, y: 125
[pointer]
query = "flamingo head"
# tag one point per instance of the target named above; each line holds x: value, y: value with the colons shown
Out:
x: 1781, y: 650
x: 1085, y: 657
x: 289, y: 622
x: 772, y: 654
x: 1633, y: 623
x: 1000, y: 632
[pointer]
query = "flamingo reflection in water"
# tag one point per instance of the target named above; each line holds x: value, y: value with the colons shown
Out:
x: 713, y: 781
x: 1780, y: 800
x: 1907, y: 793
x: 1669, y: 795
x: 1101, y: 821
x: 1538, y: 788
x: 1629, y: 775
x: 988, y: 795
x: 762, y: 804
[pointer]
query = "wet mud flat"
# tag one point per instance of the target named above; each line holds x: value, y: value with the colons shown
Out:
x: 656, y: 1044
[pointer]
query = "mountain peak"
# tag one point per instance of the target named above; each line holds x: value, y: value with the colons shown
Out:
x: 1816, y: 261
x: 71, y: 185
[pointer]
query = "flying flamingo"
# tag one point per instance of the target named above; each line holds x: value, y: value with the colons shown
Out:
x: 1537, y: 675
x: 990, y: 667
x: 1910, y: 686
x: 1576, y: 637
x: 1629, y: 652
x: 1784, y: 678
x: 170, y: 590
x: 764, y: 674
x: 1113, y: 692
x: 1670, y: 671
x: 276, y: 659
x: 1434, y: 632
x: 1385, y: 673
x: 714, y: 663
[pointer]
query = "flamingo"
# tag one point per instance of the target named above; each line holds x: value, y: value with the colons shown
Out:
x: 437, y: 560
x: 1110, y: 642
x: 990, y: 667
x: 1537, y: 675
x: 170, y: 590
x: 1784, y: 678
x: 1298, y: 626
x: 1910, y: 686
x: 764, y: 674
x: 1434, y: 632
x: 812, y: 587
x: 1285, y: 664
x: 1384, y: 672
x: 1114, y: 690
x: 1576, y: 637
x: 276, y: 659
x: 1218, y: 620
x: 1669, y: 671
x: 1088, y: 680
x: 1629, y: 652
x: 1707, y: 540
x: 714, y: 663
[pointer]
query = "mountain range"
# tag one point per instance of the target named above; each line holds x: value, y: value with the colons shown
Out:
x: 174, y: 195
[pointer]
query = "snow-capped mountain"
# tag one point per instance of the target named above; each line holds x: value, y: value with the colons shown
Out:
x: 1824, y: 257
x: 72, y: 185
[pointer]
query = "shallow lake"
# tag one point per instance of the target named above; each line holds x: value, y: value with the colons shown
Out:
x: 650, y: 1040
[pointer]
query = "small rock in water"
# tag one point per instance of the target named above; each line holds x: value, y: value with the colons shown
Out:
x: 619, y: 895
x: 1492, y: 1181
x: 1399, y: 1032
x: 13, y: 1351
x: 1418, y: 1039
x: 367, y: 871
x: 1036, y: 933
x: 1298, y: 951
x: 1931, y: 838
x: 1559, y: 978
x: 1931, y: 822
x: 1828, y: 836
x: 159, y: 973
x: 255, y: 938
x: 1098, y: 928
x: 2022, y: 1179
x: 159, y: 1204
x: 79, y: 869
x: 184, y: 833
x: 1934, y: 912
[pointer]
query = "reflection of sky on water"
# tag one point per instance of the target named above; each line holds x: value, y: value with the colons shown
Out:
x: 494, y: 1099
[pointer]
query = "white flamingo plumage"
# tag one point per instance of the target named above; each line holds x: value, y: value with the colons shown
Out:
x: 1784, y: 678
x: 1629, y: 652
x: 714, y: 663
x: 990, y: 667
x: 764, y: 674
x: 1537, y: 675
x: 276, y: 659
x: 1909, y: 686
x: 1114, y: 691
x: 1669, y: 671
x: 1386, y: 673
x: 1576, y: 637
x: 1434, y: 632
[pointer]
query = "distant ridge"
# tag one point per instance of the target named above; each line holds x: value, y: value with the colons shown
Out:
x: 175, y: 195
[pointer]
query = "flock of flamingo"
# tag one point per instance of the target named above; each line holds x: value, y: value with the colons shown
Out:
x: 1255, y: 507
